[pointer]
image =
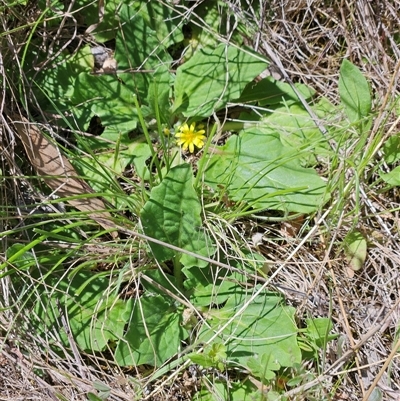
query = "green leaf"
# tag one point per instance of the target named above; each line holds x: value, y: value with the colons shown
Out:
x: 264, y: 327
x: 318, y: 330
x: 154, y: 333
x: 213, y: 15
x: 95, y: 315
x: 392, y: 178
x: 297, y: 130
x: 89, y: 13
x: 391, y: 149
x: 214, y: 293
x: 109, y: 98
x: 99, y: 386
x: 213, y: 286
x: 19, y: 257
x: 172, y: 214
x: 138, y: 46
x: 237, y: 391
x: 93, y: 397
x: 162, y: 19
x: 99, y: 170
x: 257, y: 168
x: 273, y: 395
x: 355, y: 94
x: 104, y: 390
x: 212, y: 356
x: 54, y: 85
x: 101, y: 178
x: 166, y: 281
x: 355, y: 247
x: 269, y: 92
x: 203, y: 360
x: 263, y: 366
x: 160, y: 92
x: 212, y: 77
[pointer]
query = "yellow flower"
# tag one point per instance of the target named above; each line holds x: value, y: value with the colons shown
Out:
x: 188, y: 137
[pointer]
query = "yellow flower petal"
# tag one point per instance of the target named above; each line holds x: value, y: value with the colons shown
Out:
x: 188, y: 137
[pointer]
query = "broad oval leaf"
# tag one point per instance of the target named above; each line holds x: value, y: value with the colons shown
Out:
x: 154, y: 333
x: 211, y: 78
x: 95, y: 315
x: 172, y: 214
x: 257, y: 168
x: 354, y: 93
x: 264, y: 327
x: 355, y: 246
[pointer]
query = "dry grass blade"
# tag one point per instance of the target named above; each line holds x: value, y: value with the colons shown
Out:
x: 59, y: 174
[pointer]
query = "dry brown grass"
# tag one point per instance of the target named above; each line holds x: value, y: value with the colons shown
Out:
x: 310, y: 39
x: 306, y: 40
